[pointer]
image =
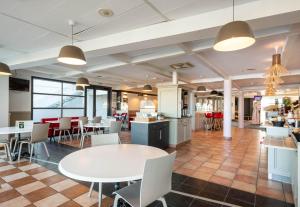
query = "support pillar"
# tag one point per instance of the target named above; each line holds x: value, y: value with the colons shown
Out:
x: 227, y: 109
x: 241, y: 110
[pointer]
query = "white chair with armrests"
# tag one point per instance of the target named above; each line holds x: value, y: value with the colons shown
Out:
x: 155, y: 184
x: 39, y: 135
x: 64, y: 126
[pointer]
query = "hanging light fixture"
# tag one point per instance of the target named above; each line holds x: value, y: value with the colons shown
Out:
x: 201, y: 89
x: 213, y: 93
x: 273, y: 80
x: 79, y: 88
x: 83, y: 82
x: 276, y: 69
x: 71, y: 54
x: 235, y: 35
x: 147, y: 87
x: 4, y: 69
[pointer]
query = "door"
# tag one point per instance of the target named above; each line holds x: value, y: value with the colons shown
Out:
x: 98, y: 102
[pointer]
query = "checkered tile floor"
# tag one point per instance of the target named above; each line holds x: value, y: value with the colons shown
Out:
x: 30, y: 184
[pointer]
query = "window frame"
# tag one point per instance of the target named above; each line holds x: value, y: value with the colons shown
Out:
x: 62, y: 95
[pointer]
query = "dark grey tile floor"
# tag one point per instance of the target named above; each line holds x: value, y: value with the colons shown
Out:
x: 180, y: 183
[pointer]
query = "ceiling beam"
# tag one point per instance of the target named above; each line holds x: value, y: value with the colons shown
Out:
x: 201, y: 26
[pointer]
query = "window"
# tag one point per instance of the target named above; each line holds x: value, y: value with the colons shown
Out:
x: 52, y: 98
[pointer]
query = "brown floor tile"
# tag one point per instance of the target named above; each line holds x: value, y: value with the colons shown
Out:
x: 75, y: 191
x: 7, y: 195
x: 53, y: 179
x: 9, y: 172
x: 70, y: 204
x: 246, y: 179
x: 225, y: 174
x: 270, y: 184
x: 243, y: 186
x: 36, y: 170
x: 22, y: 181
x: 271, y: 193
x: 40, y: 194
x: 228, y: 168
x: 185, y: 171
x: 211, y: 165
x: 220, y: 180
x: 20, y: 164
x: 202, y: 176
x: 3, y: 164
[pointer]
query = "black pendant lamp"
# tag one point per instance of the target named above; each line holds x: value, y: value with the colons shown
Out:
x: 79, y: 88
x: 213, y: 93
x: 4, y: 69
x: 147, y: 87
x: 201, y: 89
x: 235, y: 35
x: 71, y: 54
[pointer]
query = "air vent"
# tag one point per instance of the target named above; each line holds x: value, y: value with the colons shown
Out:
x: 250, y: 69
x: 185, y: 65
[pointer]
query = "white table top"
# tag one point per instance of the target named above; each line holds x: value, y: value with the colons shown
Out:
x: 97, y: 125
x: 108, y: 163
x: 14, y: 130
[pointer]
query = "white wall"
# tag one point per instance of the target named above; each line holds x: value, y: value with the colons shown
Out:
x: 4, y: 103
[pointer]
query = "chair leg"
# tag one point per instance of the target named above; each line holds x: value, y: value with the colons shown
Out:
x: 117, y: 197
x: 91, y: 190
x: 15, y: 145
x: 163, y: 200
x: 8, y: 152
x: 69, y: 135
x: 59, y: 136
x: 31, y: 151
x: 82, y: 141
x: 46, y: 149
x: 20, y: 150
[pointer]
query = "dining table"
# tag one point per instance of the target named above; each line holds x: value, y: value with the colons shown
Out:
x: 15, y: 130
x: 108, y: 163
x: 95, y: 126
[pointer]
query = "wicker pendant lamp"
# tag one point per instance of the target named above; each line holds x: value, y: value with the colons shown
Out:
x: 4, y: 69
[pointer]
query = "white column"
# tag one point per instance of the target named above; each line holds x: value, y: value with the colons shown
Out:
x: 227, y: 109
x: 241, y: 109
x: 192, y: 107
x: 4, y: 109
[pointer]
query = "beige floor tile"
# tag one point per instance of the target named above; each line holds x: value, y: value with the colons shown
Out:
x: 225, y: 174
x: 16, y: 202
x: 243, y: 186
x: 43, y: 175
x: 16, y: 176
x: 6, y: 167
x: 84, y: 200
x: 25, y: 189
x: 29, y: 167
x: 53, y: 201
x: 63, y: 185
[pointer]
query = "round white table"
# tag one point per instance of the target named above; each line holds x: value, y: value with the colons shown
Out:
x: 14, y: 130
x: 108, y: 163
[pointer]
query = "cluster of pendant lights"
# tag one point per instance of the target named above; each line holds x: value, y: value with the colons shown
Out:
x: 273, y: 75
x: 213, y: 93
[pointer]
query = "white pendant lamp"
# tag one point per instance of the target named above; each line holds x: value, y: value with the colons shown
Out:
x: 71, y: 54
x: 4, y: 69
x: 235, y: 35
x: 83, y: 82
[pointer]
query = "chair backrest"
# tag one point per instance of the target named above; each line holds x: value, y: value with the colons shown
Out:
x: 105, y: 139
x: 84, y: 119
x: 115, y: 126
x: 65, y: 123
x: 97, y: 119
x: 40, y: 132
x: 157, y: 178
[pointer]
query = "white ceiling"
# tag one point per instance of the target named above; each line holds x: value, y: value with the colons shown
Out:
x: 143, y: 37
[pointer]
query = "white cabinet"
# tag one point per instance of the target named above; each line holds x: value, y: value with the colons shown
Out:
x: 180, y: 131
x: 169, y: 101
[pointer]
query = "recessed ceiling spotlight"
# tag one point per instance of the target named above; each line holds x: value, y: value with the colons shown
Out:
x: 105, y: 12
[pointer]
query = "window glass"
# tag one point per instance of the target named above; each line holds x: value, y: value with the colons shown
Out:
x: 73, y: 102
x: 73, y: 112
x: 38, y: 114
x: 46, y: 101
x: 101, y: 103
x: 46, y: 86
x: 70, y: 89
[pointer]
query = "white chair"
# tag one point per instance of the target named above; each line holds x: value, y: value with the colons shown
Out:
x: 156, y: 183
x: 97, y: 119
x: 39, y: 135
x: 84, y: 120
x: 20, y: 137
x: 4, y: 143
x: 64, y: 126
x: 115, y: 127
x: 103, y: 139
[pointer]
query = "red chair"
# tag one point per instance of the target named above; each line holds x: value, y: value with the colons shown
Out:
x: 218, y: 120
x: 208, y: 121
